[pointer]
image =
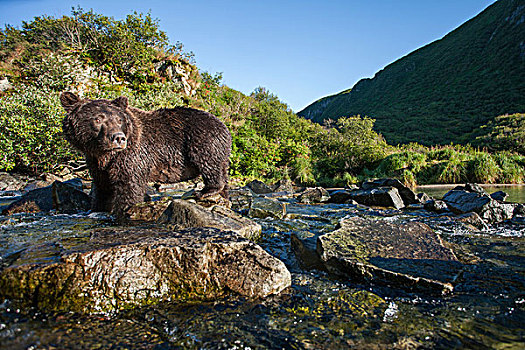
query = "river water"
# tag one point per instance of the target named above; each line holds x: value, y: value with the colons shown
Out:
x: 516, y: 192
x: 319, y: 311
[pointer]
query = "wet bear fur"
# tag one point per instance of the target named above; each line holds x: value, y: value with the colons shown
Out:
x: 125, y: 148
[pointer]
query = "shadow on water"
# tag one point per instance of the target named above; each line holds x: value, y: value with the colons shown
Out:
x: 486, y: 310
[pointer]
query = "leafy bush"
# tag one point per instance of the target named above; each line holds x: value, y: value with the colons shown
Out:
x: 483, y: 168
x: 31, y: 124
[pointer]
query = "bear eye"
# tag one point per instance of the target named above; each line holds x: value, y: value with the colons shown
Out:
x: 98, y: 119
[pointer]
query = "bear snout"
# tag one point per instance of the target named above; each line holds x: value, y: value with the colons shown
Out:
x: 118, y: 140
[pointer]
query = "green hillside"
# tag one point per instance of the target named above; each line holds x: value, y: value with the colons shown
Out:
x: 444, y: 91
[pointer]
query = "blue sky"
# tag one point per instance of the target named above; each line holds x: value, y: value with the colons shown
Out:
x: 299, y: 50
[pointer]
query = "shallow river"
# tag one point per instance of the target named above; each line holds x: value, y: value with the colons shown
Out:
x: 516, y: 192
x: 487, y: 309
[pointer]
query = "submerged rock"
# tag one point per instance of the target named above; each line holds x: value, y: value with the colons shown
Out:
x: 409, y: 256
x: 118, y: 269
x: 472, y: 219
x: 184, y: 214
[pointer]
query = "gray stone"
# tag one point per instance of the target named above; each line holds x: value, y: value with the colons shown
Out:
x: 341, y: 197
x: 183, y: 214
x: 489, y: 209
x: 379, y: 197
x: 116, y: 269
x: 436, y: 206
x: 241, y: 199
x: 407, y: 195
x: 262, y: 207
x: 314, y: 195
x: 472, y: 219
x: 499, y: 195
x: 68, y: 197
x: 259, y: 187
x: 410, y: 256
x: 5, y: 84
x: 11, y: 182
x: 423, y: 197
x: 284, y: 185
x: 35, y: 201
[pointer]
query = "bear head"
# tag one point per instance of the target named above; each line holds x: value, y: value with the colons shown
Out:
x: 97, y: 127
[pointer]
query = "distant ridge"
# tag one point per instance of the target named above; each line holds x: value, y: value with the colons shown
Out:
x: 443, y: 91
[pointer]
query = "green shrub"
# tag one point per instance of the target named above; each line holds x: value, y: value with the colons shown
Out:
x: 31, y: 138
x: 483, y: 168
x: 453, y: 170
x: 512, y: 167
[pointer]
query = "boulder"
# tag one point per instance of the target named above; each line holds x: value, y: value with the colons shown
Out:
x: 5, y: 84
x: 409, y: 256
x: 181, y: 214
x: 378, y: 197
x: 115, y: 269
x: 262, y: 207
x: 423, y: 197
x: 259, y: 187
x: 10, y: 182
x: 314, y: 195
x: 283, y: 185
x: 341, y: 197
x: 66, y: 197
x: 472, y: 219
x: 34, y: 201
x: 407, y: 195
x: 499, y: 196
x: 241, y: 199
x: 461, y: 201
x: 436, y: 206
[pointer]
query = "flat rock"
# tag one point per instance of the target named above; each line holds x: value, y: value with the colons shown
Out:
x: 115, y: 269
x: 410, y: 256
x: 183, y: 214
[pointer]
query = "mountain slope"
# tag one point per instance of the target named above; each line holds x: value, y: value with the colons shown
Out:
x: 441, y: 92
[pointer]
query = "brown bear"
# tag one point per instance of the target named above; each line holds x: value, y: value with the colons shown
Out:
x: 126, y: 147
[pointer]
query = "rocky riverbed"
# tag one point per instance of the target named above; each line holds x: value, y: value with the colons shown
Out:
x: 376, y: 266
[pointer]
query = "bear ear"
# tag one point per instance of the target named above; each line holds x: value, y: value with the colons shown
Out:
x: 69, y: 100
x: 121, y: 101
